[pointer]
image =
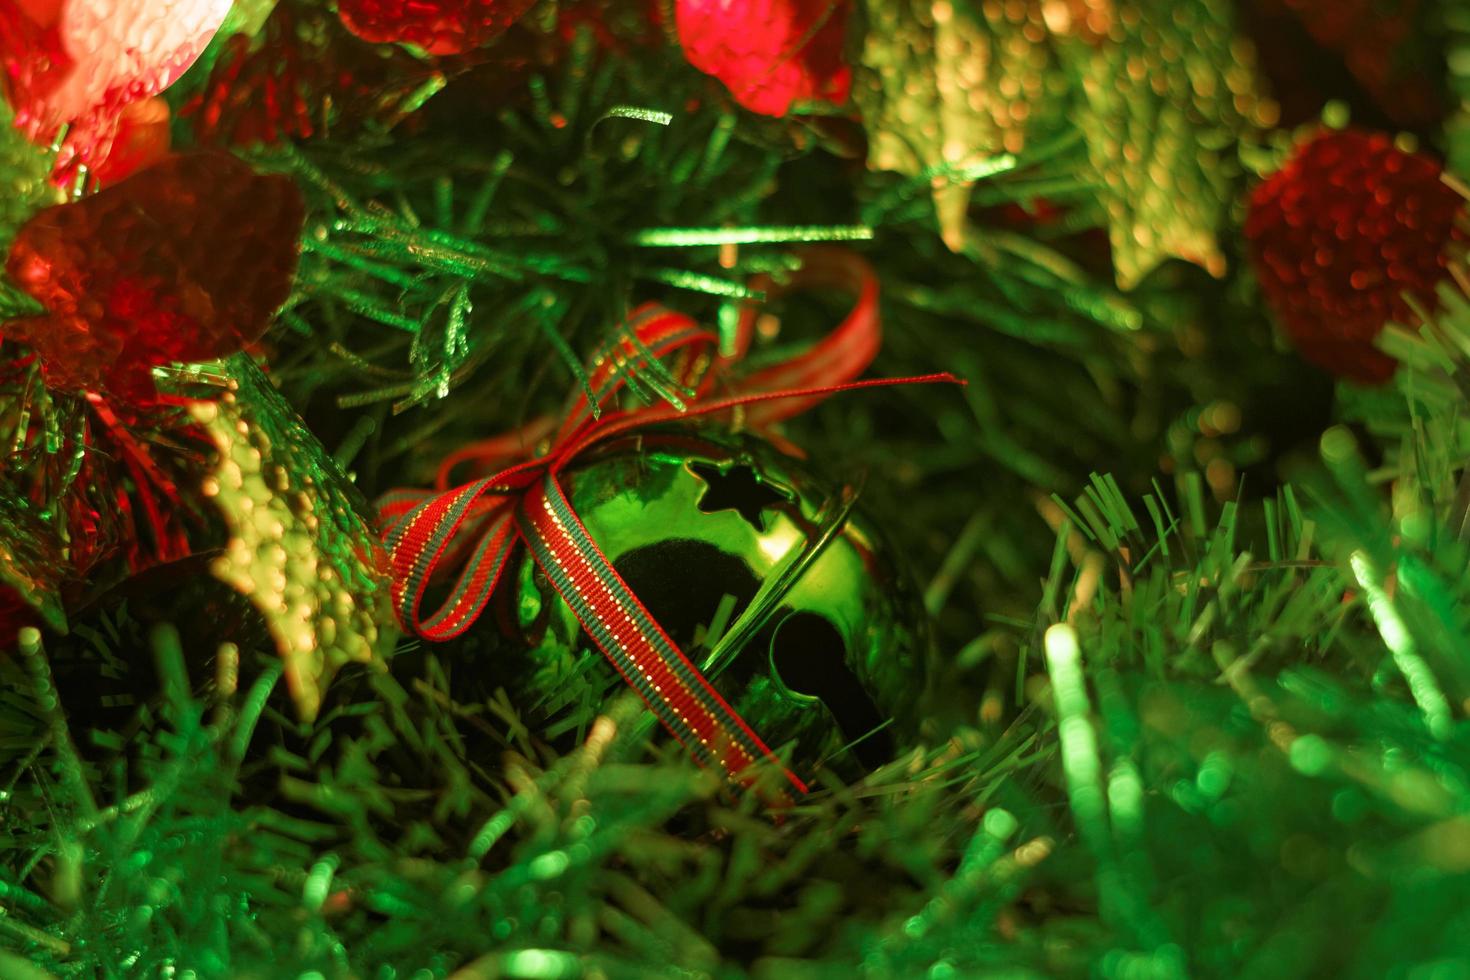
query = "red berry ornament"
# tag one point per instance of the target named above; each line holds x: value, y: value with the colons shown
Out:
x: 82, y: 62
x: 184, y: 261
x: 437, y: 26
x: 1339, y: 235
x: 769, y: 53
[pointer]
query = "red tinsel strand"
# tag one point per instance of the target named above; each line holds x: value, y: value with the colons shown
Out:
x: 304, y: 74
x: 243, y: 102
x: 151, y: 484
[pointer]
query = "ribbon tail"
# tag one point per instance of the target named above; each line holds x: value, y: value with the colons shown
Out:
x: 612, y: 425
x: 839, y: 357
x: 678, y: 694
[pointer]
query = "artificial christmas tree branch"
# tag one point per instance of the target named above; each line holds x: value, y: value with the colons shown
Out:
x: 1192, y: 698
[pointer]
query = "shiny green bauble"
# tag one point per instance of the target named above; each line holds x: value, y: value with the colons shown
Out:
x: 770, y: 580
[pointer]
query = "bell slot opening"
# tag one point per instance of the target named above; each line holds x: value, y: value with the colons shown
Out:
x: 809, y: 659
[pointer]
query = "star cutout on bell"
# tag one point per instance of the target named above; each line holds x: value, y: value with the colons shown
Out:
x: 737, y: 487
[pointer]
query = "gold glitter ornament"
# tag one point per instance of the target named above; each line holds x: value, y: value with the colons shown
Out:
x: 944, y: 85
x: 1166, y: 97
x: 299, y: 546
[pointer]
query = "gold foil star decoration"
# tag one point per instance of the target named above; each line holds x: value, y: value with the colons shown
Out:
x: 946, y: 84
x: 299, y: 546
x: 1167, y: 96
x: 1160, y: 90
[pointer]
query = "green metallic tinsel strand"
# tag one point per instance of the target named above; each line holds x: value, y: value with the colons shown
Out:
x: 698, y: 282
x: 782, y: 234
x: 388, y: 273
x: 656, y: 116
x: 72, y: 771
x: 1082, y: 763
x: 474, y: 217
x: 1401, y: 647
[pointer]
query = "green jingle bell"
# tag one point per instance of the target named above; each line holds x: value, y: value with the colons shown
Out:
x: 770, y: 581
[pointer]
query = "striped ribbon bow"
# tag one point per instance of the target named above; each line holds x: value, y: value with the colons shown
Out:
x: 477, y: 525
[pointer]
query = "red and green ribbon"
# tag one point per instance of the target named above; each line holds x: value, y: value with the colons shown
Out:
x: 477, y: 526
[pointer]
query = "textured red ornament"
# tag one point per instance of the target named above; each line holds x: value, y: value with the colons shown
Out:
x: 82, y: 62
x: 1339, y: 235
x: 769, y: 53
x: 184, y: 261
x: 437, y: 26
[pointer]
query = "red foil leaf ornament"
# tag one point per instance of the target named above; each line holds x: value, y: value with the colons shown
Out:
x: 82, y: 62
x: 1337, y: 238
x: 184, y: 261
x: 440, y: 27
x: 769, y: 53
x: 142, y: 140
